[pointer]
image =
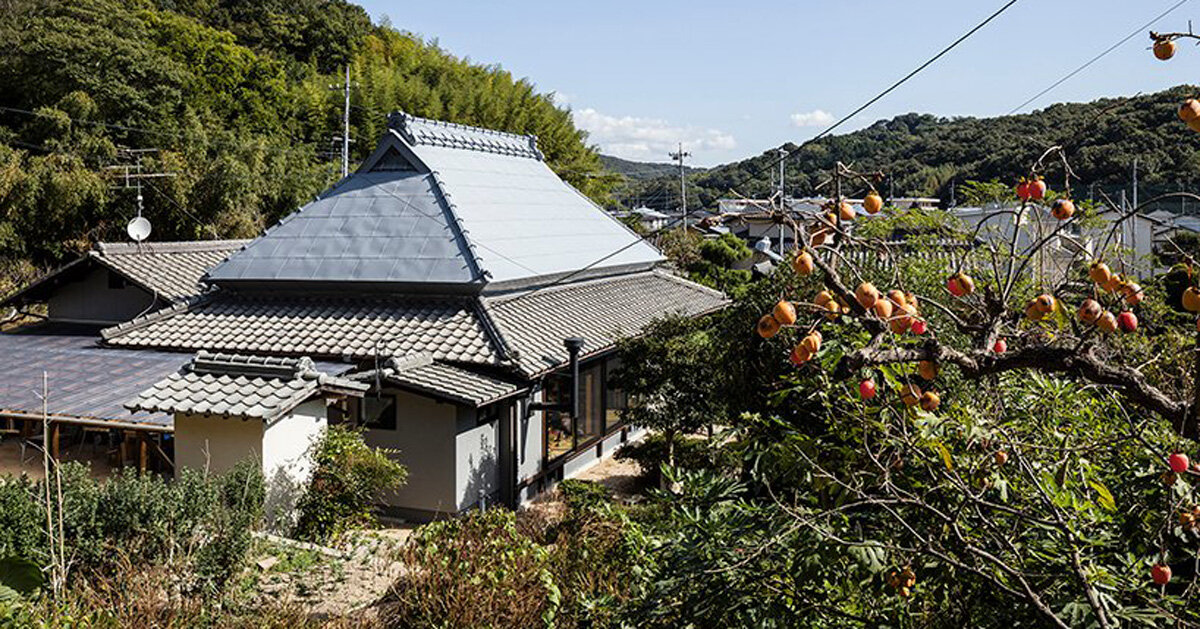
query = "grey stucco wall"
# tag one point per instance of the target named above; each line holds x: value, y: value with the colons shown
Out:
x: 91, y: 300
x: 425, y: 437
x: 477, y: 461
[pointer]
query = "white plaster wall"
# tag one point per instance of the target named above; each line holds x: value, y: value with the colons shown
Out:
x: 425, y: 438
x: 287, y: 457
x: 529, y: 440
x: 215, y: 443
x: 90, y: 299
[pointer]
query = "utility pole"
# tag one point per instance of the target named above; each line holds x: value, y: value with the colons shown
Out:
x: 345, y: 87
x: 782, y: 198
x: 678, y: 156
x: 1135, y: 183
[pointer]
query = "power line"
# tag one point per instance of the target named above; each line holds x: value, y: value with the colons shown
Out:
x: 880, y: 95
x: 1098, y: 57
x: 787, y: 154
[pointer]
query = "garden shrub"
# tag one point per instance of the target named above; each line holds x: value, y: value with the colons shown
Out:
x: 500, y: 569
x: 478, y: 570
x: 348, y: 478
x: 22, y: 520
x: 197, y: 528
x: 691, y: 453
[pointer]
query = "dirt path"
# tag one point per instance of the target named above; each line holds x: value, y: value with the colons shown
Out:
x: 348, y: 585
x: 327, y: 586
x: 622, y: 478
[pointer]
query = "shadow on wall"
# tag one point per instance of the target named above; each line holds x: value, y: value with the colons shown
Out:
x: 481, y: 479
x: 285, y: 485
x: 279, y: 507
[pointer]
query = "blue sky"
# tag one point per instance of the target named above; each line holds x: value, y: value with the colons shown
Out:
x: 732, y: 79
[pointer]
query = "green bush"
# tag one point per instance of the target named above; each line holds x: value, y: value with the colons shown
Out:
x: 348, y: 478
x: 479, y: 570
x: 22, y: 521
x: 499, y: 569
x: 199, y: 528
x: 691, y: 453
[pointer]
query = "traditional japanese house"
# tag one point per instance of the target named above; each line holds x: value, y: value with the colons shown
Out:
x: 453, y: 296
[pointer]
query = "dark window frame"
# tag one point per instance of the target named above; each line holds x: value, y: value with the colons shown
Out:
x: 392, y: 404
x: 602, y: 364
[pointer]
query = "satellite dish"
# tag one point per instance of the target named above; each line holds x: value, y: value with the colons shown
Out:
x: 138, y: 228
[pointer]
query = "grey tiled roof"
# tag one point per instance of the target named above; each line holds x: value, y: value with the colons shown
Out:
x: 601, y: 311
x: 85, y: 381
x: 339, y: 327
x: 444, y: 381
x: 251, y: 387
x: 173, y: 269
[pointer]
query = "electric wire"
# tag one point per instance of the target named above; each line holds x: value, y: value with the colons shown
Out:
x: 783, y: 157
x: 1098, y: 57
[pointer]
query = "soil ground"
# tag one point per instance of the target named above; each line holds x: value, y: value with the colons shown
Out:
x: 349, y: 585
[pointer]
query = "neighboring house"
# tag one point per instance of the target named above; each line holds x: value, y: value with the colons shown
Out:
x: 87, y: 384
x: 442, y: 297
x: 650, y: 219
x: 116, y: 282
x: 1134, y: 237
x: 1169, y: 226
x: 754, y: 220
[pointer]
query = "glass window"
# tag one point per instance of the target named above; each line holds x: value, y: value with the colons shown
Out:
x: 615, y: 400
x: 591, y: 404
x: 559, y: 433
x: 378, y: 412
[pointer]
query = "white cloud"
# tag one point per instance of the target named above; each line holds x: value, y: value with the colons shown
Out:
x: 633, y: 137
x: 814, y: 118
x: 559, y: 99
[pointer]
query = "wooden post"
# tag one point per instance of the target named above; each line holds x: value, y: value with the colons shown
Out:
x: 52, y: 439
x: 143, y: 452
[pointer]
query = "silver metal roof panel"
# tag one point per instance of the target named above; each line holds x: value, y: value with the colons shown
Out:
x: 385, y: 227
x: 450, y: 206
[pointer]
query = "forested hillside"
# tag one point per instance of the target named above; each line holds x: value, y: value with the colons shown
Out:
x: 925, y: 154
x: 235, y: 95
x: 643, y: 170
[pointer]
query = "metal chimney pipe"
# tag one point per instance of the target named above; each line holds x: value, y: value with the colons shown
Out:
x: 574, y: 345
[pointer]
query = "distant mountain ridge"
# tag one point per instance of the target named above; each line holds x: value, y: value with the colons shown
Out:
x: 643, y: 170
x: 926, y: 155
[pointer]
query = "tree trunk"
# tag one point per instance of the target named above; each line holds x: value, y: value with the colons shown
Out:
x: 669, y: 436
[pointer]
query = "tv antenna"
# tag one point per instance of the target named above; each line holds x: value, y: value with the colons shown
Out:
x: 131, y: 175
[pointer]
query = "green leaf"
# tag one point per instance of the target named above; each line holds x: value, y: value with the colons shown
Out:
x: 1106, y: 497
x: 945, y: 454
x: 19, y: 576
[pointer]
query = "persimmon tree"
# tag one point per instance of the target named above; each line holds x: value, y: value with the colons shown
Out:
x: 1040, y: 288
x: 1001, y: 308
